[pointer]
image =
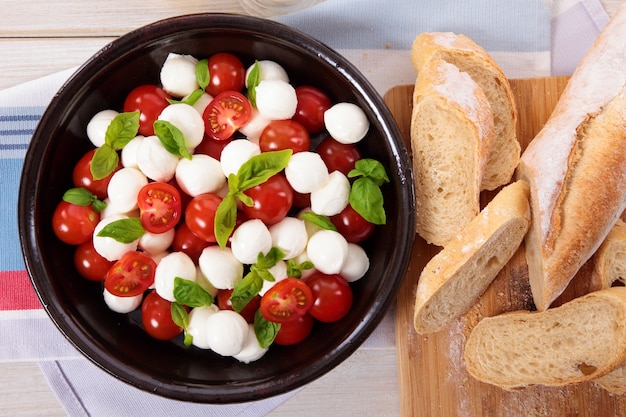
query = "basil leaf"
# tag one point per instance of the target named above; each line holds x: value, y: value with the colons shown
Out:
x: 122, y: 129
x: 172, y: 138
x: 271, y: 259
x: 83, y: 197
x: 191, y: 99
x: 370, y: 168
x: 202, y: 73
x: 225, y: 219
x: 367, y: 200
x: 260, y: 168
x: 265, y: 330
x: 318, y: 220
x: 123, y: 230
x: 104, y: 161
x: 181, y: 318
x: 254, y: 78
x: 295, y: 270
x: 191, y: 294
x: 246, y: 290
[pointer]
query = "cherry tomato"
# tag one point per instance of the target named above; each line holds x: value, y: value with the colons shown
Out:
x: 131, y: 275
x: 185, y: 241
x: 225, y: 114
x: 294, y: 331
x: 89, y: 263
x: 332, y: 296
x: 200, y: 216
x: 160, y: 207
x: 74, y: 224
x: 312, y: 103
x: 226, y: 73
x: 338, y: 156
x: 212, y: 147
x: 286, y: 300
x: 149, y: 100
x: 156, y: 317
x: 272, y: 200
x: 248, y: 312
x: 301, y: 200
x: 352, y: 225
x: 81, y: 176
x: 284, y: 134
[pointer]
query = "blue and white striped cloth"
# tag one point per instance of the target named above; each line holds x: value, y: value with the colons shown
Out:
x: 376, y: 35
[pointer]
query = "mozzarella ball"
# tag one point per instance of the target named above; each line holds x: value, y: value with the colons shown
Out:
x: 227, y: 332
x: 197, y: 325
x: 356, y: 265
x: 156, y: 243
x: 122, y: 304
x: 200, y: 174
x: 187, y: 120
x: 110, y: 210
x: 249, y: 239
x: 333, y: 197
x: 252, y: 350
x: 203, y: 281
x: 220, y: 267
x: 290, y: 236
x: 279, y: 272
x: 255, y: 126
x: 311, y: 228
x: 174, y: 265
x: 129, y: 152
x: 346, y: 122
x: 178, y: 74
x: 306, y: 172
x: 328, y: 251
x: 201, y: 104
x: 156, y: 162
x: 236, y: 153
x: 269, y: 70
x: 108, y: 247
x: 97, y: 126
x: 276, y: 99
x: 124, y: 187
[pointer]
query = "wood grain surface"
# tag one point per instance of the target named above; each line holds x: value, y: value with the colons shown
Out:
x: 433, y: 380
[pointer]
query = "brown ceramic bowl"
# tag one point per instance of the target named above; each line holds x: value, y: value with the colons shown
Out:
x: 115, y: 342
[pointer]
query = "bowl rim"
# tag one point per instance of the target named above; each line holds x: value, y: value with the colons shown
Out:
x: 126, y: 44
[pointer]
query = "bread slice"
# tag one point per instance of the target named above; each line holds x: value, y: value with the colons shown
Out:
x: 579, y: 341
x: 454, y: 278
x: 451, y: 136
x: 471, y: 58
x: 575, y: 167
x: 609, y: 261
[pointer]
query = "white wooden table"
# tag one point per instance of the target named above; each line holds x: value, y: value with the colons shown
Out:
x: 41, y: 38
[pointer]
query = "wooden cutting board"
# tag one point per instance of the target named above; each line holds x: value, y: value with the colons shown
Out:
x: 433, y: 380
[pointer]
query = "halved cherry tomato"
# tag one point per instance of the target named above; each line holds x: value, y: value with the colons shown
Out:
x: 286, y: 300
x: 149, y: 100
x: 200, y: 216
x: 225, y: 114
x: 156, y: 317
x: 74, y: 224
x: 248, y: 312
x: 294, y: 331
x: 226, y: 73
x: 89, y: 263
x: 159, y: 206
x: 272, y: 200
x: 312, y: 103
x: 131, y: 275
x: 352, y: 225
x: 332, y: 296
x: 284, y: 134
x: 82, y: 177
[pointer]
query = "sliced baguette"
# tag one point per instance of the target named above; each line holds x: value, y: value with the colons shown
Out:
x: 575, y: 167
x: 451, y: 136
x: 579, y: 341
x: 609, y: 261
x: 471, y: 58
x: 454, y: 278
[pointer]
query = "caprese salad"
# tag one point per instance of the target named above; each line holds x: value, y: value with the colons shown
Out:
x: 204, y: 204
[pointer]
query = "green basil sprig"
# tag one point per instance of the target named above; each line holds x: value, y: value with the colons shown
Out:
x: 121, y: 130
x: 83, y: 197
x: 251, y: 284
x: 265, y: 330
x: 181, y: 318
x: 171, y: 138
x: 318, y: 220
x: 295, y: 270
x: 366, y: 198
x: 253, y: 172
x: 253, y: 80
x: 187, y: 293
x: 203, y: 78
x: 123, y: 230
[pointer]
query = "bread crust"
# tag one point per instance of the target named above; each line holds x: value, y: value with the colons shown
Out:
x: 575, y: 167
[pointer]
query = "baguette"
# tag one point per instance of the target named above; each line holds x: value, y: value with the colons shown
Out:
x: 471, y: 58
x: 451, y: 136
x: 609, y: 261
x: 454, y: 278
x: 575, y: 167
x: 579, y: 341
